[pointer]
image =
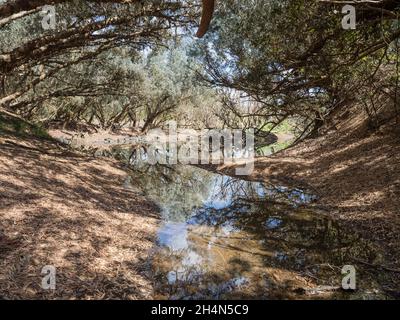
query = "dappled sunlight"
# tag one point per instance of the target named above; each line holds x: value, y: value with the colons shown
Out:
x: 199, y: 149
x: 73, y: 214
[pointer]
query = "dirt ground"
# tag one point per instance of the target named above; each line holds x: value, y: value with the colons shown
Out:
x: 74, y: 213
x: 355, y: 171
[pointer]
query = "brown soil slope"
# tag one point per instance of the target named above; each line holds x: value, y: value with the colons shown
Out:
x: 72, y: 212
x: 355, y: 172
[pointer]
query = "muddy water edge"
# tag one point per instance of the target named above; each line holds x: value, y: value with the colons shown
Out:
x: 221, y: 237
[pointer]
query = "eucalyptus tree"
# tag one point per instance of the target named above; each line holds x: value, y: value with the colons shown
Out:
x: 293, y: 59
x: 35, y: 62
x: 120, y: 88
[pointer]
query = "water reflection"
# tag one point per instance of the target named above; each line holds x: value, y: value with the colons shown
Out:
x: 223, y: 237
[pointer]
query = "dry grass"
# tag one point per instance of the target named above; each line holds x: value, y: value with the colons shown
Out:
x: 70, y: 211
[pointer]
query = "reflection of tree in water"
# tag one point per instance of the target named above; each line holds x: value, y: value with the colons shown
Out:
x: 232, y: 189
x: 177, y: 190
x: 298, y: 237
x: 238, y: 238
x: 246, y: 255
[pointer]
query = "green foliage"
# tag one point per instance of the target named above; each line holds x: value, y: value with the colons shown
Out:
x: 114, y: 65
x: 293, y: 59
x: 18, y: 127
x: 142, y: 91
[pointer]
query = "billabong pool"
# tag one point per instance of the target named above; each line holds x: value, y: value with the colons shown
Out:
x: 221, y: 237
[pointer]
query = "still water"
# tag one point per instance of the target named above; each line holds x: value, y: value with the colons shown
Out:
x: 226, y: 238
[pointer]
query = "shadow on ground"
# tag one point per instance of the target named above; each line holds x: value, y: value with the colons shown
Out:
x: 73, y: 212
